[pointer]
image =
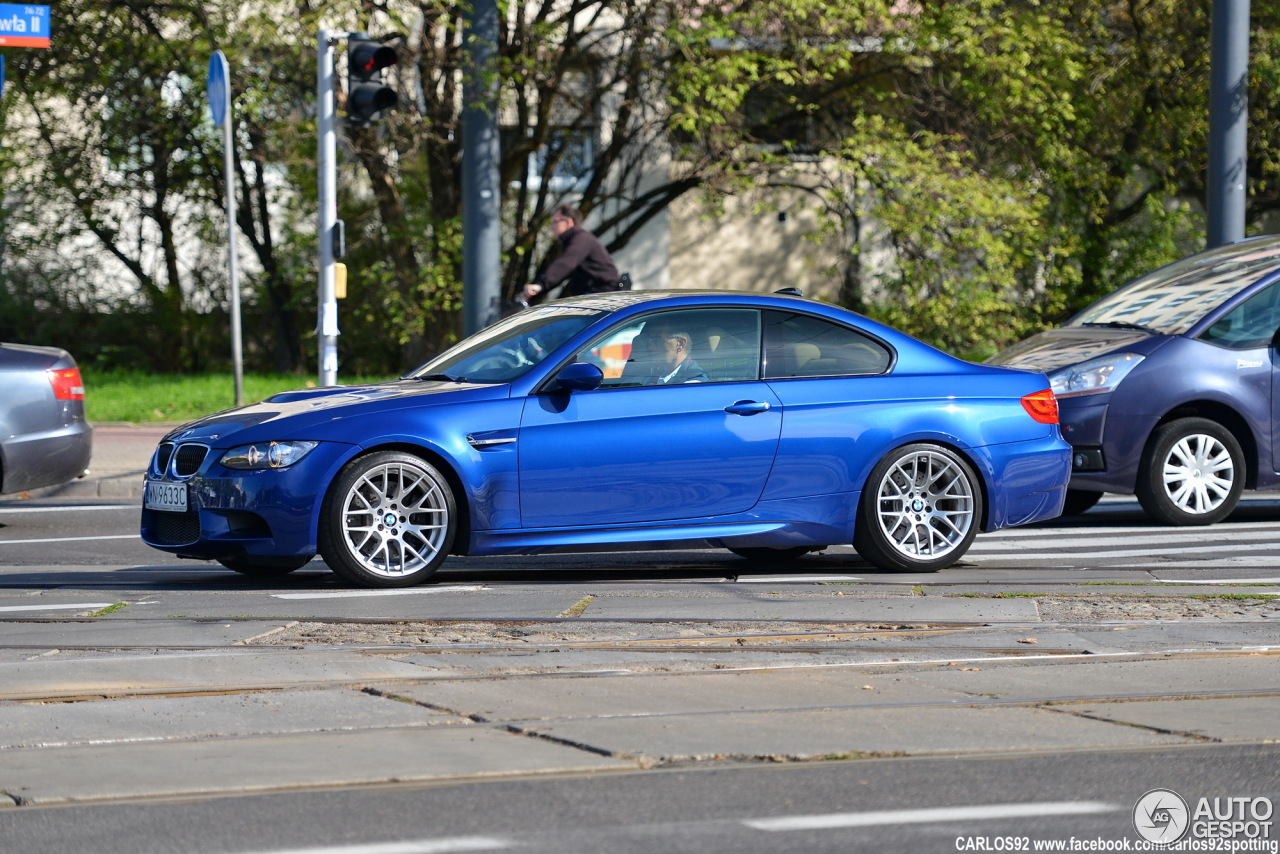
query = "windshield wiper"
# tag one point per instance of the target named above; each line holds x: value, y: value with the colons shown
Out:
x: 1119, y: 324
x: 429, y: 378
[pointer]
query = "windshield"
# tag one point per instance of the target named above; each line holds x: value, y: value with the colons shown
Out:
x: 504, y: 351
x: 1170, y: 300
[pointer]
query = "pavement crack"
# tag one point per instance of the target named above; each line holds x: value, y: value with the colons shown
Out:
x: 1197, y: 736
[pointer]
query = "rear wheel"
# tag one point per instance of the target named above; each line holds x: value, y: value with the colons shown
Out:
x: 1191, y: 474
x: 389, y: 520
x: 264, y: 567
x: 920, y: 510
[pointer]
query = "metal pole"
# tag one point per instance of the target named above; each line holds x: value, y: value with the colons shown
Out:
x: 327, y: 193
x: 233, y: 278
x: 1228, y: 121
x: 481, y: 213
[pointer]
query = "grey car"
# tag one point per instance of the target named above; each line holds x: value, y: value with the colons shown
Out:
x: 44, y: 437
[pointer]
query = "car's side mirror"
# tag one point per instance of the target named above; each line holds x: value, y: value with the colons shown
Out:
x: 580, y: 376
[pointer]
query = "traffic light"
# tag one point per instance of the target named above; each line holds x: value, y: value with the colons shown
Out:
x: 367, y: 95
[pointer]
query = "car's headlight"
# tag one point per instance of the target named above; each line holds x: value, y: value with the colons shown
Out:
x: 266, y: 455
x: 1094, y: 376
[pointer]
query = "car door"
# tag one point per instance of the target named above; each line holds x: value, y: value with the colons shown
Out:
x: 1249, y: 333
x: 636, y: 450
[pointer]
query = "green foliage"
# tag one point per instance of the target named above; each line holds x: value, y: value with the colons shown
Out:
x: 989, y: 165
x: 142, y: 396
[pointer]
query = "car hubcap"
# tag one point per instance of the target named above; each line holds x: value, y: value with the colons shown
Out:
x: 926, y: 505
x: 394, y: 519
x: 1198, y: 474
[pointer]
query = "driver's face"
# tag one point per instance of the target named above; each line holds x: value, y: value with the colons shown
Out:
x: 660, y: 345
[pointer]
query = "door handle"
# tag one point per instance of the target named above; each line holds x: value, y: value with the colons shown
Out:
x: 747, y: 407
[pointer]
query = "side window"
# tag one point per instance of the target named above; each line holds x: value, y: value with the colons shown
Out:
x: 798, y: 345
x: 1250, y: 325
x: 675, y: 347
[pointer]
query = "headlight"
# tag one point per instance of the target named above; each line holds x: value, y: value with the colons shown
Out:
x: 266, y: 455
x: 1094, y: 376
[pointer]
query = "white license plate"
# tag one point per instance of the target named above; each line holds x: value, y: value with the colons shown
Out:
x: 166, y: 496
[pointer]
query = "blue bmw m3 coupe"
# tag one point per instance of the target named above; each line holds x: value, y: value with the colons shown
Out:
x: 769, y: 425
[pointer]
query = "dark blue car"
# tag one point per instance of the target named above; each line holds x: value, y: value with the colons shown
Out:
x: 768, y: 425
x: 1169, y: 387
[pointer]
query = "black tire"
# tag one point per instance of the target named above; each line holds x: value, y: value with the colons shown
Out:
x: 272, y: 567
x: 774, y: 556
x: 921, y: 508
x: 1192, y: 473
x: 389, y: 520
x: 1079, y: 501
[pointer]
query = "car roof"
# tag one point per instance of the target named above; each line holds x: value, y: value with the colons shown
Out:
x: 614, y: 300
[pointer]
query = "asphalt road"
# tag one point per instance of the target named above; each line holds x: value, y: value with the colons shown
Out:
x: 658, y: 701
x: 896, y: 807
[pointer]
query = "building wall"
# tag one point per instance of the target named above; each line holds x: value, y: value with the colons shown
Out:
x: 746, y: 248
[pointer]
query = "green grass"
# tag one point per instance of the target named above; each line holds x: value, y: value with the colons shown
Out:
x: 138, y: 397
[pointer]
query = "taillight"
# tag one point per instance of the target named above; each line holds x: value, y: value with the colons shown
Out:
x: 67, y: 384
x: 1042, y: 406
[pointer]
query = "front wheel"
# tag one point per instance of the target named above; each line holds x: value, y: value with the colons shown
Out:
x: 920, y: 510
x: 1192, y: 473
x: 388, y: 521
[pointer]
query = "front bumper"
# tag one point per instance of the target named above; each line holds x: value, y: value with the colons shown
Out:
x: 269, y: 513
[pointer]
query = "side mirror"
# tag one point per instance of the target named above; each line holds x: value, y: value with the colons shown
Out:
x: 580, y: 376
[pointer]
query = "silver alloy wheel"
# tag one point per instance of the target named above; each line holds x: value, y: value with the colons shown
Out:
x: 1198, y: 473
x: 925, y: 505
x: 395, y: 519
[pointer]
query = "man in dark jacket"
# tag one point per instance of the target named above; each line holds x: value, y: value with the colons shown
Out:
x: 583, y: 263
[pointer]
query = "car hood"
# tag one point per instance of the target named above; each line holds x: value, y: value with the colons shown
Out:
x: 291, y: 413
x: 1068, y: 345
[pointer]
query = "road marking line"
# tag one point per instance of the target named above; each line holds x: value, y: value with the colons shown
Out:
x: 70, y: 539
x: 920, y: 816
x: 357, y: 594
x: 1122, y: 529
x: 1222, y: 581
x: 1201, y: 540
x: 63, y: 508
x: 780, y: 579
x: 419, y: 846
x: 1216, y: 548
x: 85, y: 607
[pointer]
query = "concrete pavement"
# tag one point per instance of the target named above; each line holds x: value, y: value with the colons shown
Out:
x: 169, y: 725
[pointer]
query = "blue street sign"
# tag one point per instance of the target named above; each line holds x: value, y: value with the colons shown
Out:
x: 24, y: 26
x: 219, y: 88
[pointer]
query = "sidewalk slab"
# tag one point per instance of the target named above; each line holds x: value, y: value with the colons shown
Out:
x: 912, y: 730
x: 533, y: 698
x: 246, y: 765
x: 158, y: 719
x: 220, y: 671
x: 1226, y: 719
x: 1182, y: 675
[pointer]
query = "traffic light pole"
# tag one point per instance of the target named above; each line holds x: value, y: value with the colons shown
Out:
x: 327, y: 192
